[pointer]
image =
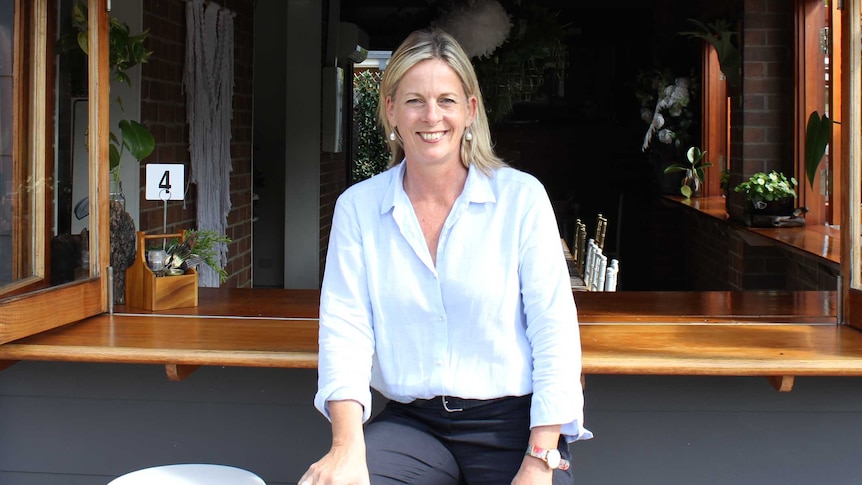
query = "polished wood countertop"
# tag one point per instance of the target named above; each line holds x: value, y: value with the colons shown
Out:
x: 631, y: 307
x: 770, y: 333
x: 821, y: 241
x: 274, y: 303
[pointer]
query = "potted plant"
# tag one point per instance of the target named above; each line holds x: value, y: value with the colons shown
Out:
x: 125, y: 51
x: 668, y: 106
x: 724, y: 182
x: 693, y: 179
x: 197, y: 246
x: 769, y: 193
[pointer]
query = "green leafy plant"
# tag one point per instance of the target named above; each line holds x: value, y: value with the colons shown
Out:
x: 817, y: 135
x: 724, y: 181
x: 768, y: 187
x: 196, y: 247
x: 696, y: 163
x: 372, y: 152
x: 720, y: 35
x: 125, y: 51
x: 695, y: 166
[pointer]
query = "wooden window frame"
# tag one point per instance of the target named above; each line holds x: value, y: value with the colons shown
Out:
x: 811, y: 16
x: 46, y: 308
x: 851, y: 163
x: 715, y: 120
x: 836, y: 103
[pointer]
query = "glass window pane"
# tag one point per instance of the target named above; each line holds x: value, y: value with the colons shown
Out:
x: 7, y: 15
x: 44, y: 174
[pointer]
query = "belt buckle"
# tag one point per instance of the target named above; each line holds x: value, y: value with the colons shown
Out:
x: 447, y: 408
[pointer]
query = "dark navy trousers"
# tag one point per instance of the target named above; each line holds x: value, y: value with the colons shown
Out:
x: 484, y: 445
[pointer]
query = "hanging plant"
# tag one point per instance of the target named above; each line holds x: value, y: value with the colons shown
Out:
x: 125, y: 51
x: 720, y: 35
x: 515, y: 71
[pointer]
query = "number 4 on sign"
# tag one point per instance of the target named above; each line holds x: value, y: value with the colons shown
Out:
x: 165, y: 181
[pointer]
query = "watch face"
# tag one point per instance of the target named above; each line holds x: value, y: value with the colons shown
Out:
x: 553, y: 458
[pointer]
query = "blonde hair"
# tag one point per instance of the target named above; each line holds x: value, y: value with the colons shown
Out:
x: 423, y: 45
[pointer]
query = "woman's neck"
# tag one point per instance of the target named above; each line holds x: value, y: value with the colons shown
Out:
x: 440, y: 183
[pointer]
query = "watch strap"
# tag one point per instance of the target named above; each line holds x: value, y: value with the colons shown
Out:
x: 542, y: 454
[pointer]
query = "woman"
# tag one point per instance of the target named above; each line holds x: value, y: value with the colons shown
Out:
x: 447, y: 291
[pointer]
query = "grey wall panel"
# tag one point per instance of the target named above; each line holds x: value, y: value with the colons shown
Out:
x: 718, y: 431
x: 83, y: 424
x: 104, y: 420
x: 49, y: 479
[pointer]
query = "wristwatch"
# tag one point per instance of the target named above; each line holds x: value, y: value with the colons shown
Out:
x: 551, y: 457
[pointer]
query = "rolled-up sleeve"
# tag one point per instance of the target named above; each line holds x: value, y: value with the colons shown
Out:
x: 552, y: 324
x: 346, y: 340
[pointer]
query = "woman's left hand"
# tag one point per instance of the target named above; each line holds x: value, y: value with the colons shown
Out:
x: 533, y: 472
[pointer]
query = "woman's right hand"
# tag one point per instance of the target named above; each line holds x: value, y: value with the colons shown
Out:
x: 344, y: 464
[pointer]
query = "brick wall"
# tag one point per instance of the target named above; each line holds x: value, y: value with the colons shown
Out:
x: 723, y: 256
x: 333, y: 177
x: 762, y: 117
x: 334, y: 172
x: 163, y: 111
x: 806, y: 273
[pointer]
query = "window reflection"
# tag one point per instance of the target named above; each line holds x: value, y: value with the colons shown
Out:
x: 44, y: 236
x: 7, y: 16
x: 70, y: 245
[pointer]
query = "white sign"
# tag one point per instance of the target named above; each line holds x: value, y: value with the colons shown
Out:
x: 165, y: 181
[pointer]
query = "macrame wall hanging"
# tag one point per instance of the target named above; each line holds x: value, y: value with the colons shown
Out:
x: 208, y: 84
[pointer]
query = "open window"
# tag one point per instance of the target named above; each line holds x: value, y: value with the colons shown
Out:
x: 50, y: 273
x: 715, y: 126
x: 851, y: 161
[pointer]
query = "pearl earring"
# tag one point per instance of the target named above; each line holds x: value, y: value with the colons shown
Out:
x: 467, y: 135
x: 392, y: 135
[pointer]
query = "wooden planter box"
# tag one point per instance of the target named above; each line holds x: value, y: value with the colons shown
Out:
x: 146, y: 290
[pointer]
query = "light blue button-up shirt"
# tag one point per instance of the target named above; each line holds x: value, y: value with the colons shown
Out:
x: 495, y: 317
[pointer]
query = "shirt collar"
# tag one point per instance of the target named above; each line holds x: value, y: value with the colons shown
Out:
x: 477, y: 188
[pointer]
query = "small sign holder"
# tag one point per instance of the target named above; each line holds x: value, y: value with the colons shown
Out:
x: 144, y: 288
x: 165, y: 181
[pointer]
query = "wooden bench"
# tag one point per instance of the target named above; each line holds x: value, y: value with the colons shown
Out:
x: 778, y: 335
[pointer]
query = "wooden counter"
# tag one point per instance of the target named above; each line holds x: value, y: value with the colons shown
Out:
x: 243, y: 302
x: 820, y: 241
x: 771, y: 333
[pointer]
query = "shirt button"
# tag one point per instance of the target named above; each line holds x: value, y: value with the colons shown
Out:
x: 439, y: 363
x: 441, y: 318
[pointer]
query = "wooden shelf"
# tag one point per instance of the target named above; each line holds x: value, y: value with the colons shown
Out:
x: 820, y: 241
x: 778, y: 334
x: 722, y: 350
x: 244, y: 302
x: 707, y: 307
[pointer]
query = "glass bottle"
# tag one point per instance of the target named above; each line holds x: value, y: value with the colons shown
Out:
x: 692, y: 181
x: 116, y: 193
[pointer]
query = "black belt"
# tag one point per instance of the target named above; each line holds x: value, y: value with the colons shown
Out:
x: 453, y: 404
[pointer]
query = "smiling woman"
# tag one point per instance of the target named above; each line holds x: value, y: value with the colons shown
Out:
x: 431, y: 113
x: 478, y: 149
x: 466, y: 251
